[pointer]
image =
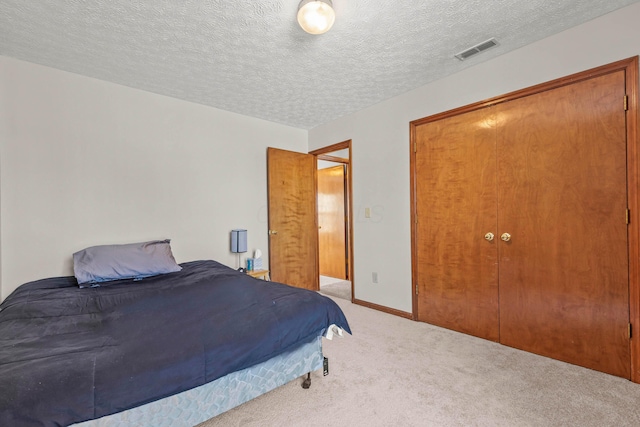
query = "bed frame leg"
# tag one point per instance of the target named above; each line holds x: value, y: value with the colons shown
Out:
x: 325, y: 371
x: 307, y: 383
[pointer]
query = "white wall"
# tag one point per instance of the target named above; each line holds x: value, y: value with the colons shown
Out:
x: 85, y: 162
x: 380, y: 135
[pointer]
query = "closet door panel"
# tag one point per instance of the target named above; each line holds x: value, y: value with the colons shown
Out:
x: 456, y: 207
x: 564, y: 285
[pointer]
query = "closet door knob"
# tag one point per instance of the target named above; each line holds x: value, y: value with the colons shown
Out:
x: 506, y: 237
x: 272, y: 232
x: 489, y: 236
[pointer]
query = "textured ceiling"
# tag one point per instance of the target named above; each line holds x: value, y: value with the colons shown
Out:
x: 250, y: 56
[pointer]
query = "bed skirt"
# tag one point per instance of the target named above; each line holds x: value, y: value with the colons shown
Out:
x: 199, y: 404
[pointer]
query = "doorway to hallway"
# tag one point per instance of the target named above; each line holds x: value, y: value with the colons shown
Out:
x: 335, y: 234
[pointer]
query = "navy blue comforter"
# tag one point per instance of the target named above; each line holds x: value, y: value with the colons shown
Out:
x: 69, y: 354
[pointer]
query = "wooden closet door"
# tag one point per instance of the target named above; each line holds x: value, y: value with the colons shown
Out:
x: 332, y: 231
x: 562, y: 196
x: 455, y: 207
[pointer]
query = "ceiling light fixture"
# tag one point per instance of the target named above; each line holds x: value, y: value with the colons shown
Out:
x: 316, y: 16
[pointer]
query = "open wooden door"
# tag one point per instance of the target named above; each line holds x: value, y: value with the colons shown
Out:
x: 293, y: 236
x: 332, y: 222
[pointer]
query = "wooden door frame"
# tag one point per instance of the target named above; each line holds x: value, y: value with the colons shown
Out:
x: 320, y: 154
x: 630, y: 67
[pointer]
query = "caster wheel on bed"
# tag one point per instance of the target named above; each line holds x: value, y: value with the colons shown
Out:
x: 307, y: 383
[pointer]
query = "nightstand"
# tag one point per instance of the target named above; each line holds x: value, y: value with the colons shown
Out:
x: 260, y: 273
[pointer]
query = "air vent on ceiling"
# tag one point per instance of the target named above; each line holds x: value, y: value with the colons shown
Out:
x: 480, y: 47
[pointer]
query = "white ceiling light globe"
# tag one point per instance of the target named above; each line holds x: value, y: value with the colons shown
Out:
x: 316, y: 16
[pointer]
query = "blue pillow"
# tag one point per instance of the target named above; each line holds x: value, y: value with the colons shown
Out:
x: 98, y: 264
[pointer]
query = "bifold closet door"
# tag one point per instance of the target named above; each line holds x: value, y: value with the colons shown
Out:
x: 562, y: 196
x: 455, y: 208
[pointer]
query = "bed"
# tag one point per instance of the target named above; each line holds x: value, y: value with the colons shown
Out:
x: 171, y: 349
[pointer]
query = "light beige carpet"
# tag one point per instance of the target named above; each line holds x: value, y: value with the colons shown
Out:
x: 335, y: 287
x: 396, y: 372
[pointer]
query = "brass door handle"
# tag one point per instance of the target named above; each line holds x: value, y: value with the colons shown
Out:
x: 272, y: 232
x: 505, y: 237
x: 489, y: 236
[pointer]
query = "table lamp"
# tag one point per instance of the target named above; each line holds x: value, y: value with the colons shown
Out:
x: 239, y: 244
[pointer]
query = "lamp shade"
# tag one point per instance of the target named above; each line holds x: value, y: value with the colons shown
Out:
x: 316, y: 16
x: 238, y: 241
